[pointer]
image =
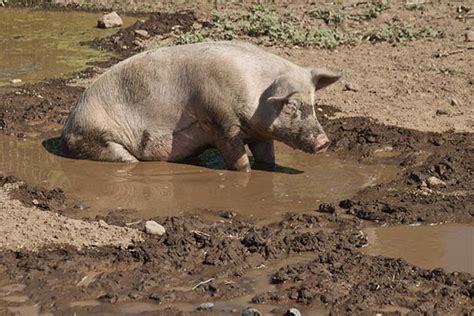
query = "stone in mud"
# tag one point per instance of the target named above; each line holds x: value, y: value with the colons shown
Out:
x: 15, y: 81
x: 434, y: 182
x: 155, y: 297
x: 349, y: 86
x: 469, y: 36
x: 153, y: 228
x: 228, y: 214
x: 205, y: 306
x: 110, y: 20
x: 327, y: 208
x: 142, y: 33
x: 251, y: 312
x: 293, y: 312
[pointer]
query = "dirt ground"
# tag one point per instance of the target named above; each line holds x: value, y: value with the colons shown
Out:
x: 408, y: 103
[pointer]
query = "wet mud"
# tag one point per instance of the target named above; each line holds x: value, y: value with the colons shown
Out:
x: 331, y: 256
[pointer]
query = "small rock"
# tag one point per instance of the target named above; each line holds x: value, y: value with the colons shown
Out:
x: 155, y: 297
x: 469, y: 36
x: 228, y: 214
x: 142, y: 33
x: 205, y: 306
x: 454, y: 102
x: 197, y: 26
x: 35, y: 202
x: 434, y: 182
x: 346, y: 204
x: 153, y: 228
x: 15, y: 81
x: 110, y: 20
x: 442, y: 112
x: 251, y: 312
x: 293, y: 312
x: 327, y: 208
x: 102, y: 223
x: 348, y: 86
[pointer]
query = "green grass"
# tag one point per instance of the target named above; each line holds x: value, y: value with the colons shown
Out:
x: 266, y: 26
x: 395, y: 33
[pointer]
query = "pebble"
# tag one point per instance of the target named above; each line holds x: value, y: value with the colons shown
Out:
x: 251, y: 312
x: 15, y: 81
x: 442, y: 112
x: 454, y: 102
x: 205, y: 306
x: 351, y: 87
x: 153, y: 228
x: 327, y: 208
x: 35, y: 202
x: 293, y: 312
x: 142, y: 33
x: 110, y: 20
x: 434, y: 182
x: 469, y: 36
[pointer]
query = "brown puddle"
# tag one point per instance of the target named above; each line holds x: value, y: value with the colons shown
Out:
x: 39, y: 44
x: 448, y: 246
x: 160, y: 188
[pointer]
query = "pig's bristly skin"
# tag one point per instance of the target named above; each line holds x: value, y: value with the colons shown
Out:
x: 171, y: 103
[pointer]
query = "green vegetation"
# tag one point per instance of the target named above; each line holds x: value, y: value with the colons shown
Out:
x: 376, y: 9
x: 330, y: 17
x: 394, y: 33
x: 266, y: 26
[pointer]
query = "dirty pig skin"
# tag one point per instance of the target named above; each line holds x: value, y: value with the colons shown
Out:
x: 172, y: 103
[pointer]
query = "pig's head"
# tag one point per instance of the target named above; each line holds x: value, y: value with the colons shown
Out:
x: 287, y: 110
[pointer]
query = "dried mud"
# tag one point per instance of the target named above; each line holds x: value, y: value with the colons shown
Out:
x: 332, y: 274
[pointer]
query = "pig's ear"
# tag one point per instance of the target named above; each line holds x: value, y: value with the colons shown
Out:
x: 323, y: 77
x: 281, y: 99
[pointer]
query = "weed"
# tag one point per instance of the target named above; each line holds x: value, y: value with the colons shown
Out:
x: 329, y: 17
x: 266, y: 26
x: 394, y: 33
x: 376, y: 9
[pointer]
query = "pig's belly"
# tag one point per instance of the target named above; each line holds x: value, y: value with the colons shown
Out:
x: 166, y: 145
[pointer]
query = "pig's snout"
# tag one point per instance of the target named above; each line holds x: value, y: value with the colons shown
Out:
x: 321, y: 143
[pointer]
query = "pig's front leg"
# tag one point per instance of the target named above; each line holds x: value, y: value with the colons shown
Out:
x: 233, y: 151
x: 264, y: 155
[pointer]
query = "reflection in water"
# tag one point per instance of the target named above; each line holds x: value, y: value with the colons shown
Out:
x: 38, y: 44
x: 159, y: 188
x: 449, y: 246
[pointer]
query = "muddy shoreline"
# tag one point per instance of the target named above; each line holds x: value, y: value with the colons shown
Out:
x: 312, y: 261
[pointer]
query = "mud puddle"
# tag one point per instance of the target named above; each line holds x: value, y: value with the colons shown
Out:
x: 159, y: 188
x: 448, y: 246
x: 39, y: 44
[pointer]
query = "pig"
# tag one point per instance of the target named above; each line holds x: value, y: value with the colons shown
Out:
x: 172, y: 103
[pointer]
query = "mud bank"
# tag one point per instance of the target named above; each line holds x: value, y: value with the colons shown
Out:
x: 314, y: 260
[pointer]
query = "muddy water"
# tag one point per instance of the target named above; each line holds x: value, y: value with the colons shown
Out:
x: 449, y: 246
x: 39, y: 44
x: 159, y: 188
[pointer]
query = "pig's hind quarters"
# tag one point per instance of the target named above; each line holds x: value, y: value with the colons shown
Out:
x: 94, y: 146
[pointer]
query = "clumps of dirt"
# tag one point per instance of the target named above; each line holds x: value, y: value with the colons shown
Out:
x: 127, y: 41
x: 40, y: 107
x: 351, y: 283
x: 31, y: 196
x: 339, y: 277
x: 414, y: 197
